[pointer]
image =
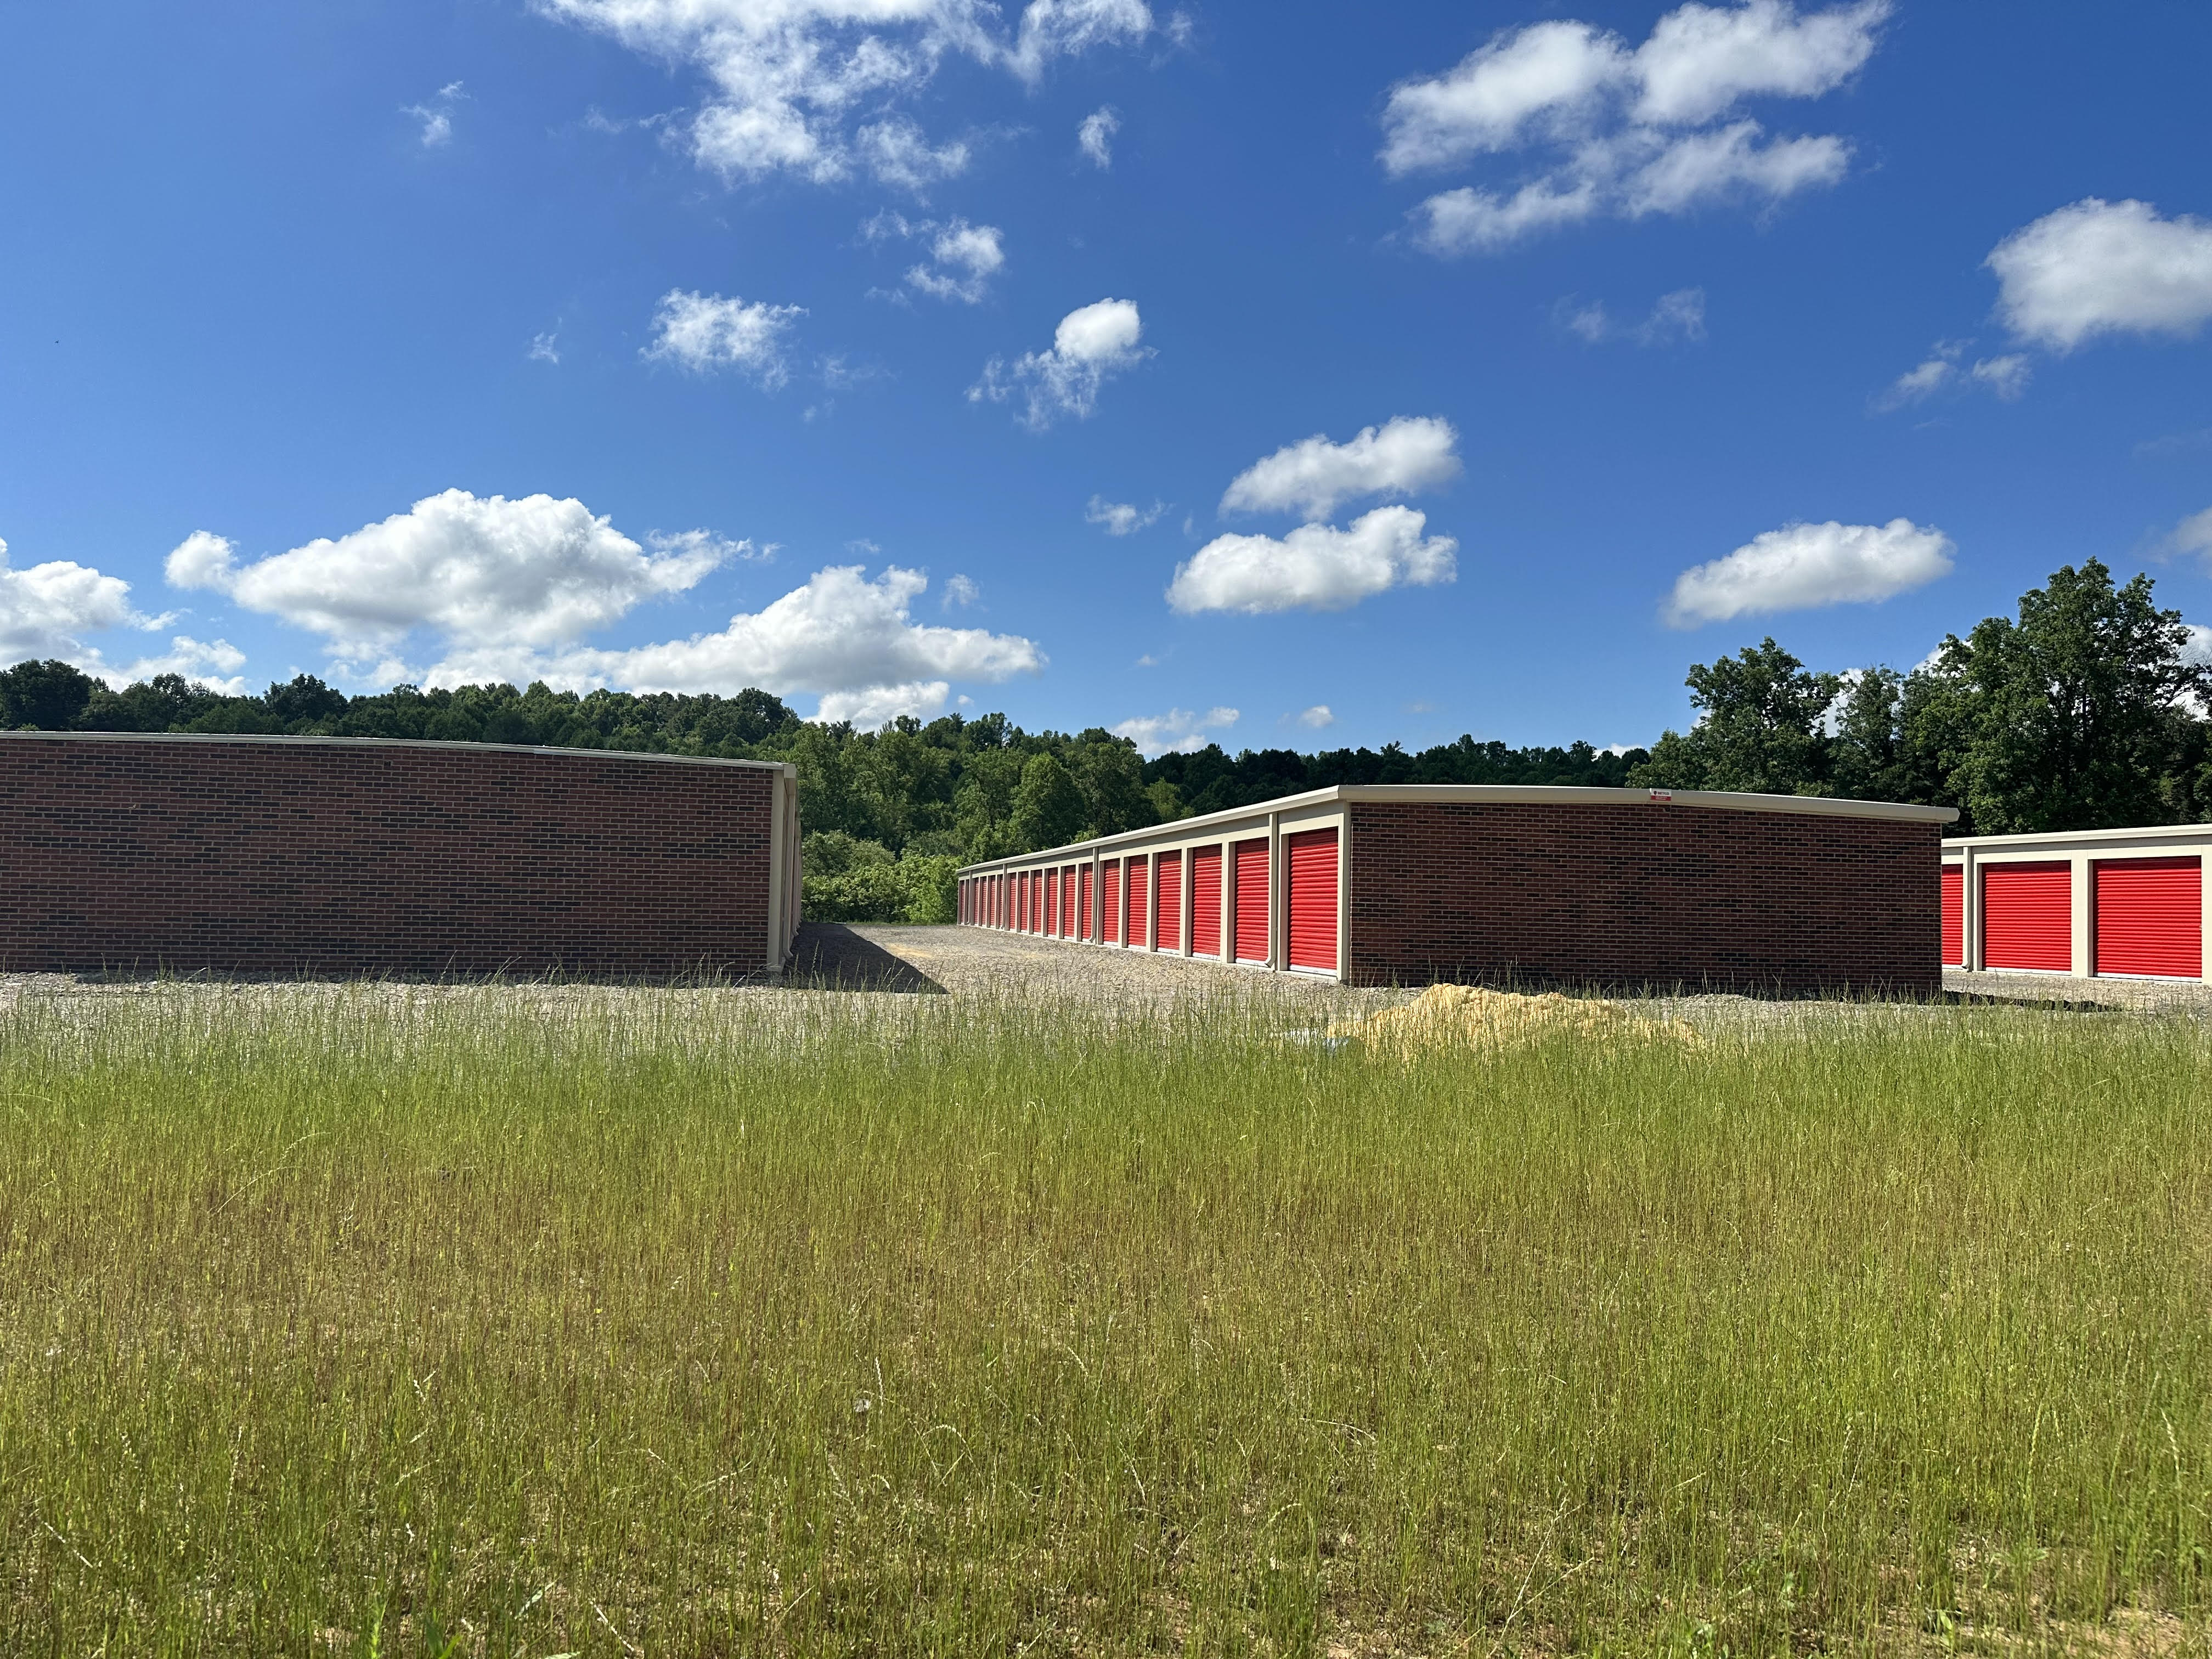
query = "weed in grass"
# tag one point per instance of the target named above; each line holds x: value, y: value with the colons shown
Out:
x: 399, y: 1323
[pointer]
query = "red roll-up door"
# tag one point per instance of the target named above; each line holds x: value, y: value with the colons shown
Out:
x: 1312, y: 854
x: 1954, y: 916
x: 1140, y: 884
x: 1110, y: 901
x: 2150, y: 917
x: 1252, y: 900
x: 1037, y: 901
x: 1206, y: 901
x: 1082, y: 930
x: 2027, y: 916
x: 1167, y: 903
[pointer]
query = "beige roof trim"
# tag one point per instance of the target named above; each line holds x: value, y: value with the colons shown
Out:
x: 2182, y: 834
x: 380, y: 743
x: 1494, y: 794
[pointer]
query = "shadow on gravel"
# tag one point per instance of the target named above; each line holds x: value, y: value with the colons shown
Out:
x: 831, y: 957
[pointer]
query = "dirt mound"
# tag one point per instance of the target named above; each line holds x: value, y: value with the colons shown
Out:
x: 1447, y: 1015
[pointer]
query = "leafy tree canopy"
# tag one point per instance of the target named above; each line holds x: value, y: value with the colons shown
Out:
x: 2085, y: 711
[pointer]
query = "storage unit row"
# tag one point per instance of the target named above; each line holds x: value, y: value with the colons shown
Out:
x: 2119, y: 903
x: 1188, y: 901
x: 1398, y: 884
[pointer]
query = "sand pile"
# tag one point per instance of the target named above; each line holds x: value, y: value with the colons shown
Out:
x: 1445, y: 1015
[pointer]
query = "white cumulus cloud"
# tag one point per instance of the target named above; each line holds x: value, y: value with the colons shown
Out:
x: 2098, y: 267
x: 1407, y: 453
x: 1177, y: 731
x: 2194, y: 535
x: 1094, y: 137
x: 1675, y: 318
x: 1803, y: 566
x: 212, y: 663
x: 1945, y: 369
x: 1318, y: 718
x: 483, y: 571
x: 702, y: 333
x: 1122, y: 517
x: 852, y: 641
x: 1317, y: 566
x: 437, y: 115
x: 49, y: 610
x: 1626, y: 132
x: 963, y: 259
x: 816, y: 87
x: 1091, y: 344
x: 509, y: 590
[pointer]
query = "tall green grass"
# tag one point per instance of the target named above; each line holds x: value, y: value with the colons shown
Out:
x: 493, y: 1324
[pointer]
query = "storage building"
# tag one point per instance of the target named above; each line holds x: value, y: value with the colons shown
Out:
x: 365, y: 856
x: 2112, y: 903
x: 1378, y: 885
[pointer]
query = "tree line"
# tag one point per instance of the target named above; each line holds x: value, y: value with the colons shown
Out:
x: 2087, y: 711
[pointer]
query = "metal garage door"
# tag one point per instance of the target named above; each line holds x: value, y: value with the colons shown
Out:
x: 1206, y: 901
x: 1051, y: 900
x: 1167, y: 933
x: 2027, y: 916
x: 1137, y: 885
x: 1109, y: 900
x: 1083, y: 901
x: 1037, y: 901
x: 2150, y: 917
x: 1955, y: 917
x: 1252, y: 900
x: 1312, y: 854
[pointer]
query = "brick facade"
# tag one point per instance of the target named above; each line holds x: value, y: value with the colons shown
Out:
x: 359, y: 856
x: 1637, y: 895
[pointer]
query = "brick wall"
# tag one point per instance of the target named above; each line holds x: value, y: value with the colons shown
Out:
x: 365, y: 857
x: 1637, y: 895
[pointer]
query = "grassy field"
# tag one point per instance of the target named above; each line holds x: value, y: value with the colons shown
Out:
x: 483, y: 1325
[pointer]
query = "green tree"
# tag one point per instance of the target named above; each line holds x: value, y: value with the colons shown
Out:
x: 1111, y: 776
x: 2077, y: 716
x: 1048, y: 809
x: 1760, y: 728
x: 306, y: 702
x: 48, y: 695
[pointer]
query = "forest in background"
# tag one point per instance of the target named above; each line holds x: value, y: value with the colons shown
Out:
x: 2086, y: 710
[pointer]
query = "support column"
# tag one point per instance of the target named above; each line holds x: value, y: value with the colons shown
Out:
x: 2085, y: 917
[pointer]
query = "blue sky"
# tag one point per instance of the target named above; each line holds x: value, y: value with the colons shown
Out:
x: 832, y: 347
